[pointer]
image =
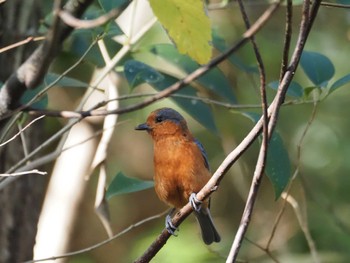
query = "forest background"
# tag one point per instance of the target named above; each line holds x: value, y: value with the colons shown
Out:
x: 75, y: 173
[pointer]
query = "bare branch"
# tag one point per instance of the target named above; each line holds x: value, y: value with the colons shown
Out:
x: 328, y: 4
x: 230, y: 159
x: 104, y: 242
x: 301, y: 216
x: 261, y: 162
x: 287, y: 38
x: 21, y: 130
x: 306, y: 24
x: 35, y: 171
x: 78, y: 23
x: 21, y: 43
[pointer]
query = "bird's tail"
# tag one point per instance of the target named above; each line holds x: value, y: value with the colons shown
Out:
x: 209, y: 232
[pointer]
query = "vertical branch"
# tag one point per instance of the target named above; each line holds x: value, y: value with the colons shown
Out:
x: 305, y: 27
x: 261, y: 162
x: 287, y: 38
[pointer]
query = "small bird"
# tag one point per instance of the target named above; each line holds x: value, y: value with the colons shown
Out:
x: 181, y: 168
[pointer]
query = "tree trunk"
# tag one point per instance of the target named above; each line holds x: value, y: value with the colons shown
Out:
x: 21, y: 200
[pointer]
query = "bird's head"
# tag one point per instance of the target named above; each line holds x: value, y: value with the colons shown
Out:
x: 164, y: 122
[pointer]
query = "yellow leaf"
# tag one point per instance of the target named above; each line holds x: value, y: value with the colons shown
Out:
x: 187, y: 25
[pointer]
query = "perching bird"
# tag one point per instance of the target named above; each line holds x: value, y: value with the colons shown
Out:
x: 181, y: 168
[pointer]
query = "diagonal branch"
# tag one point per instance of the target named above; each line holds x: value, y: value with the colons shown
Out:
x: 213, y: 183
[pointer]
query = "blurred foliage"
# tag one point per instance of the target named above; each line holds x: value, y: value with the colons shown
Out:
x: 151, y: 64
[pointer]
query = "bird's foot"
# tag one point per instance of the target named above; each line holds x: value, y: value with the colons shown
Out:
x: 169, y: 225
x: 195, y: 203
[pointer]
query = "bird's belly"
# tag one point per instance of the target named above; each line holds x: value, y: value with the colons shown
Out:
x: 169, y: 187
x: 179, y: 172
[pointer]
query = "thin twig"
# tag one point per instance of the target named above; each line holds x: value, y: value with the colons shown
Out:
x: 86, y: 24
x: 35, y: 171
x: 21, y: 130
x: 229, y: 160
x: 104, y: 242
x: 306, y: 24
x: 181, y: 83
x: 303, y: 225
x: 328, y: 4
x: 261, y: 162
x: 32, y: 71
x: 296, y: 172
x: 110, y: 66
x: 21, y: 43
x: 26, y: 106
x: 263, y: 249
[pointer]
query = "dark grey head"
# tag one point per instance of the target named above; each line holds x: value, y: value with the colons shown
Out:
x: 168, y: 114
x: 164, y: 121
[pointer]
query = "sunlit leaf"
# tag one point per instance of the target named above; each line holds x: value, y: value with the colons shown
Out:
x: 214, y: 79
x: 122, y: 184
x: 340, y: 82
x: 137, y: 72
x: 294, y: 89
x: 317, y: 67
x: 278, y: 167
x: 187, y: 25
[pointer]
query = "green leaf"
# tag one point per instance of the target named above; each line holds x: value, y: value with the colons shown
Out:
x: 122, y: 184
x: 64, y: 82
x: 220, y: 44
x: 214, y: 80
x: 187, y: 25
x: 28, y: 95
x: 138, y: 72
x: 317, y: 67
x: 278, y: 167
x: 295, y: 2
x: 82, y: 38
x: 294, y: 89
x: 309, y: 90
x: 108, y: 5
x: 339, y: 83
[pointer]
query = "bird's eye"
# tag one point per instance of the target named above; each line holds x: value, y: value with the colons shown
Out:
x: 159, y: 119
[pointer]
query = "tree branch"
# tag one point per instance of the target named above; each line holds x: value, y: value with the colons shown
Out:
x: 104, y: 242
x: 306, y: 24
x: 261, y: 162
x: 78, y: 23
x: 33, y: 70
x: 230, y: 159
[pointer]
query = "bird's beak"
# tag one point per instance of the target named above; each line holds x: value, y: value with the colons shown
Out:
x: 143, y: 127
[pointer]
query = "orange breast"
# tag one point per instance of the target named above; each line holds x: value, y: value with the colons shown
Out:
x: 179, y: 170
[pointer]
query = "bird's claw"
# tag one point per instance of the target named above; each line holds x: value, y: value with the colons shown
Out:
x: 169, y: 226
x: 195, y: 203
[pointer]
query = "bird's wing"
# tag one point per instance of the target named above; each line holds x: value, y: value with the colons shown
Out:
x: 204, y: 154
